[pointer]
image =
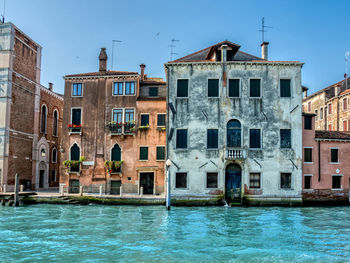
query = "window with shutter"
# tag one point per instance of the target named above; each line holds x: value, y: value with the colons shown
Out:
x: 233, y: 90
x: 182, y: 88
x: 143, y: 153
x: 212, y: 138
x: 161, y: 120
x: 254, y: 180
x: 160, y: 153
x: 144, y: 119
x: 255, y: 88
x: 285, y: 88
x: 181, y: 138
x: 286, y: 180
x: 285, y: 138
x: 213, y: 88
x: 255, y: 138
x: 212, y: 180
x: 181, y: 180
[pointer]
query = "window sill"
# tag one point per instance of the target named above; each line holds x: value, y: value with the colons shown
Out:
x: 308, y: 190
x: 212, y: 188
x: 77, y: 96
x: 334, y: 163
x: 308, y: 162
x: 337, y: 189
x: 234, y: 97
x: 255, y: 149
x: 212, y: 149
x: 143, y: 160
x: 160, y: 160
x: 182, y: 188
x: 182, y: 98
x: 286, y: 189
x: 75, y: 133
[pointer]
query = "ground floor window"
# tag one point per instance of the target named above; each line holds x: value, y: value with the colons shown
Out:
x: 336, y: 182
x: 307, y: 181
x: 254, y: 180
x: 181, y: 180
x: 212, y: 180
x: 53, y: 176
x: 286, y: 180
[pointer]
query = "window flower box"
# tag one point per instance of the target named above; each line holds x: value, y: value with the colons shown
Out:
x: 74, y: 166
x: 129, y: 127
x: 114, y: 166
x: 161, y: 128
x: 115, y: 127
x: 144, y: 127
x: 74, y: 128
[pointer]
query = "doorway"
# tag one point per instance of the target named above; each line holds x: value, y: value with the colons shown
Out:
x: 115, y: 187
x: 74, y: 186
x: 147, y: 182
x: 41, y: 178
x: 233, y: 183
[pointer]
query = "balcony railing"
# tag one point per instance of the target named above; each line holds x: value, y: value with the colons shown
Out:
x: 235, y: 153
x: 121, y: 128
x: 74, y: 129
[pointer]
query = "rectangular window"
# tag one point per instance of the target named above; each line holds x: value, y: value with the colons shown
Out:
x: 153, y: 91
x: 182, y: 88
x: 233, y: 88
x: 212, y: 180
x: 321, y: 114
x: 160, y: 153
x: 345, y: 126
x: 307, y: 122
x: 161, y: 120
x: 129, y: 115
x: 285, y: 88
x: 118, y: 88
x: 213, y: 88
x: 329, y: 109
x: 309, y: 107
x: 307, y: 181
x: 130, y: 88
x: 181, y: 180
x: 286, y: 180
x: 307, y: 155
x: 181, y: 138
x: 77, y: 89
x: 117, y: 115
x: 143, y: 153
x: 53, y: 176
x: 144, y: 119
x: 254, y: 180
x: 345, y: 104
x: 76, y: 116
x: 336, y: 182
x: 255, y: 138
x: 316, y: 117
x: 212, y: 138
x: 285, y: 138
x: 255, y: 88
x: 334, y: 156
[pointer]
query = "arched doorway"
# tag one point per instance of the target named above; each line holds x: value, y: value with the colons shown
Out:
x: 233, y: 133
x: 233, y: 183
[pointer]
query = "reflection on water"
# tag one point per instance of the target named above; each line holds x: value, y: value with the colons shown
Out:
x: 44, y: 233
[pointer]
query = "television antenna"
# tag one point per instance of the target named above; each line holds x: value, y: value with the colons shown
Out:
x: 113, y: 42
x: 263, y: 29
x: 3, y: 13
x: 171, y: 48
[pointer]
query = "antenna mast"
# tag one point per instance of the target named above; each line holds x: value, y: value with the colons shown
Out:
x: 3, y: 14
x: 114, y: 41
x: 346, y: 69
x: 171, y: 48
x: 263, y: 29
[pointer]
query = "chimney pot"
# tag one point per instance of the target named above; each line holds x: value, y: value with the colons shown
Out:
x: 142, y: 67
x: 50, y: 86
x: 103, y: 60
x: 264, y: 50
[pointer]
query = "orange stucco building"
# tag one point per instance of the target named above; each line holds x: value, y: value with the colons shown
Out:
x: 114, y: 131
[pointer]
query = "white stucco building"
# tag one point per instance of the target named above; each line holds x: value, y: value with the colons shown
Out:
x: 235, y: 126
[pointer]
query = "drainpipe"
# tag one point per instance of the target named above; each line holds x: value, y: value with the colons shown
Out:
x: 319, y: 160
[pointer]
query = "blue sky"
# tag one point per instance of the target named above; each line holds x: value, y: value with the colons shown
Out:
x: 72, y: 32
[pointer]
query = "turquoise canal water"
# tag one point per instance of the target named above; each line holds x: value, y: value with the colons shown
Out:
x: 67, y: 233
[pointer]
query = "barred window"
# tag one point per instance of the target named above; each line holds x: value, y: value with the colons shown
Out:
x: 254, y: 180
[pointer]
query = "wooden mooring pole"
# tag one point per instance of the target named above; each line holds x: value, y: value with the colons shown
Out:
x: 16, y: 196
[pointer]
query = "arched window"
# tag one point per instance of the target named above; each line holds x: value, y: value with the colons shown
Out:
x: 43, y: 118
x: 54, y: 155
x: 233, y: 133
x: 116, y: 153
x: 43, y: 152
x: 55, y: 123
x: 74, y: 156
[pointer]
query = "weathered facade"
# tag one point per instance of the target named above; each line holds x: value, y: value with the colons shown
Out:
x: 326, y: 164
x: 235, y: 126
x: 330, y: 106
x: 20, y: 101
x: 111, y: 118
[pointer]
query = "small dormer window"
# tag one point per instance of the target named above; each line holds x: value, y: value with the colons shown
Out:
x: 153, y: 91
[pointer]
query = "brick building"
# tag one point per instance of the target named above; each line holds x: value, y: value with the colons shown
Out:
x: 326, y: 165
x: 112, y: 117
x: 330, y: 106
x: 20, y: 99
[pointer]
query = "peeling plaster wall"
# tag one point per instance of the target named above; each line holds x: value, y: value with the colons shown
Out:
x: 270, y: 113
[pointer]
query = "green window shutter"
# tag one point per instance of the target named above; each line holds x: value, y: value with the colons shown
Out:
x: 161, y: 120
x: 285, y: 87
x: 144, y: 119
x: 182, y: 88
x: 233, y: 88
x: 255, y: 88
x: 143, y: 153
x: 160, y: 153
x: 213, y: 88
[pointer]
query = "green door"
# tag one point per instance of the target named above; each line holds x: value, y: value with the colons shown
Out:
x: 74, y: 186
x: 115, y: 187
x: 147, y: 182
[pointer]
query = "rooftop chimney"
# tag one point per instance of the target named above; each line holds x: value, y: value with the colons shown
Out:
x: 223, y: 53
x: 264, y: 52
x: 142, y: 67
x: 103, y: 60
x: 50, y: 86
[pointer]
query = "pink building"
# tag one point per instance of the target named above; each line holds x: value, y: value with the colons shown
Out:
x: 326, y: 164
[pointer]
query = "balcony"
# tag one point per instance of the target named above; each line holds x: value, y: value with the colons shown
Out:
x: 121, y: 128
x: 74, y: 129
x: 235, y: 153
